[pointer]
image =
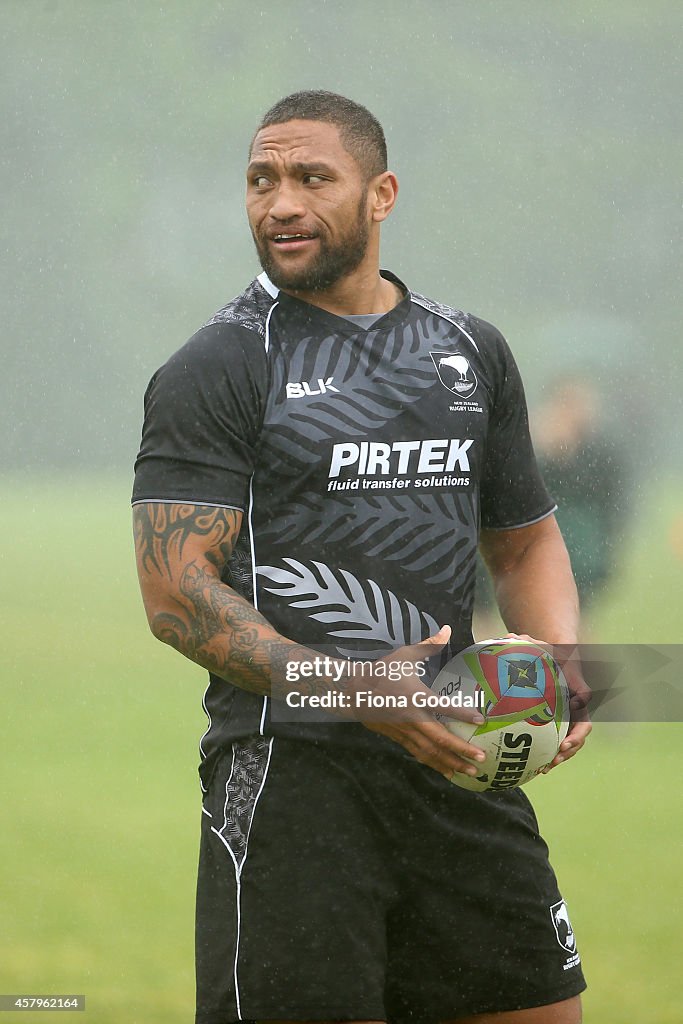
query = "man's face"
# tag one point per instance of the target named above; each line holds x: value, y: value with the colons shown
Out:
x: 307, y: 206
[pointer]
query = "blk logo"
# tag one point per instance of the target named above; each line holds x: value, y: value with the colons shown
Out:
x: 304, y: 389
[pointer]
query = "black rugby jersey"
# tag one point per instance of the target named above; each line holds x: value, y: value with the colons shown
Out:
x: 365, y: 462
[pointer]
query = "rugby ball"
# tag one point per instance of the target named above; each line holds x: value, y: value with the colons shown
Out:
x: 523, y: 695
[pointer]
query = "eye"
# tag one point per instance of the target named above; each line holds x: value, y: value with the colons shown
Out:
x: 260, y: 181
x: 314, y: 179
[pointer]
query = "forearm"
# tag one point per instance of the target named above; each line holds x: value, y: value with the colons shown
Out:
x: 214, y: 627
x: 182, y: 551
x: 537, y: 596
x: 535, y: 588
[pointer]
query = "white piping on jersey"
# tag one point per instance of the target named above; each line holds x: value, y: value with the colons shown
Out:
x: 443, y: 316
x: 240, y: 867
x: 252, y: 545
x: 227, y: 786
x: 274, y: 291
x: 520, y: 526
x: 266, y: 340
x: 266, y: 283
x: 251, y: 541
x: 254, y: 585
x: 185, y: 501
x: 262, y: 723
x: 206, y: 732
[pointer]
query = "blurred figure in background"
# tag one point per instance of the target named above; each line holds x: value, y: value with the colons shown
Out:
x: 584, y: 468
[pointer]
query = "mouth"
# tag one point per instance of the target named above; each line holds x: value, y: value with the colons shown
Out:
x: 292, y: 241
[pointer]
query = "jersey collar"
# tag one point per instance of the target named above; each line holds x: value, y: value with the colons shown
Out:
x: 341, y: 325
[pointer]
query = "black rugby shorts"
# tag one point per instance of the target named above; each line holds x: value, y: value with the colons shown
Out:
x: 344, y: 885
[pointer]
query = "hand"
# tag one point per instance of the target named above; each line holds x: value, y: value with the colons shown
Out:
x: 415, y: 728
x: 579, y: 698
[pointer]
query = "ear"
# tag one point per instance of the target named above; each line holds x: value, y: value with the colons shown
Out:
x: 382, y: 194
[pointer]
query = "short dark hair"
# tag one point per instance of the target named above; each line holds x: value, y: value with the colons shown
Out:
x: 360, y: 132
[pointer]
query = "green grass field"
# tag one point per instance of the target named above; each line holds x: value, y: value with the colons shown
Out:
x: 100, y: 798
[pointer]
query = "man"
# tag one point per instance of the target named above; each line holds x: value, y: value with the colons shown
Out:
x: 314, y: 468
x: 585, y: 469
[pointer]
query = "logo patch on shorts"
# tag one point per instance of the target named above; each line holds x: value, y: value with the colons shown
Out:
x: 563, y: 927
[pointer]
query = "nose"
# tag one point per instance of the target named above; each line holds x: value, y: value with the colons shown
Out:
x: 287, y: 203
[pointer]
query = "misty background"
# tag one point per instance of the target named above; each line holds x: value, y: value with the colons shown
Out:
x: 538, y: 148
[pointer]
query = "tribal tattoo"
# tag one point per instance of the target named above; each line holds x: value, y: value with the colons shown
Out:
x: 181, y: 551
x: 162, y: 530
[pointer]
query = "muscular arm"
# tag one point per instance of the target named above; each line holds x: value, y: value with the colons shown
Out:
x: 537, y: 596
x: 533, y: 581
x: 181, y: 552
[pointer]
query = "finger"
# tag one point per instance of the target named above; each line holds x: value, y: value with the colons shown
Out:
x: 472, y: 716
x: 576, y: 737
x: 522, y: 636
x: 579, y: 692
x: 441, y: 637
x: 453, y: 752
x: 438, y: 641
x: 442, y: 761
x: 428, y: 648
x: 579, y: 699
x: 469, y: 715
x: 571, y: 745
x: 432, y: 744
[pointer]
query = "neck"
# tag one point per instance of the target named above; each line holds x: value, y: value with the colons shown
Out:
x: 363, y: 291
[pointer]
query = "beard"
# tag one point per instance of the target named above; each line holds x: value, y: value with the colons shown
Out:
x: 333, y: 262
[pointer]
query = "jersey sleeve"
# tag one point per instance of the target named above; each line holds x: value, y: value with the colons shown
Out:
x: 513, y: 493
x: 203, y: 414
